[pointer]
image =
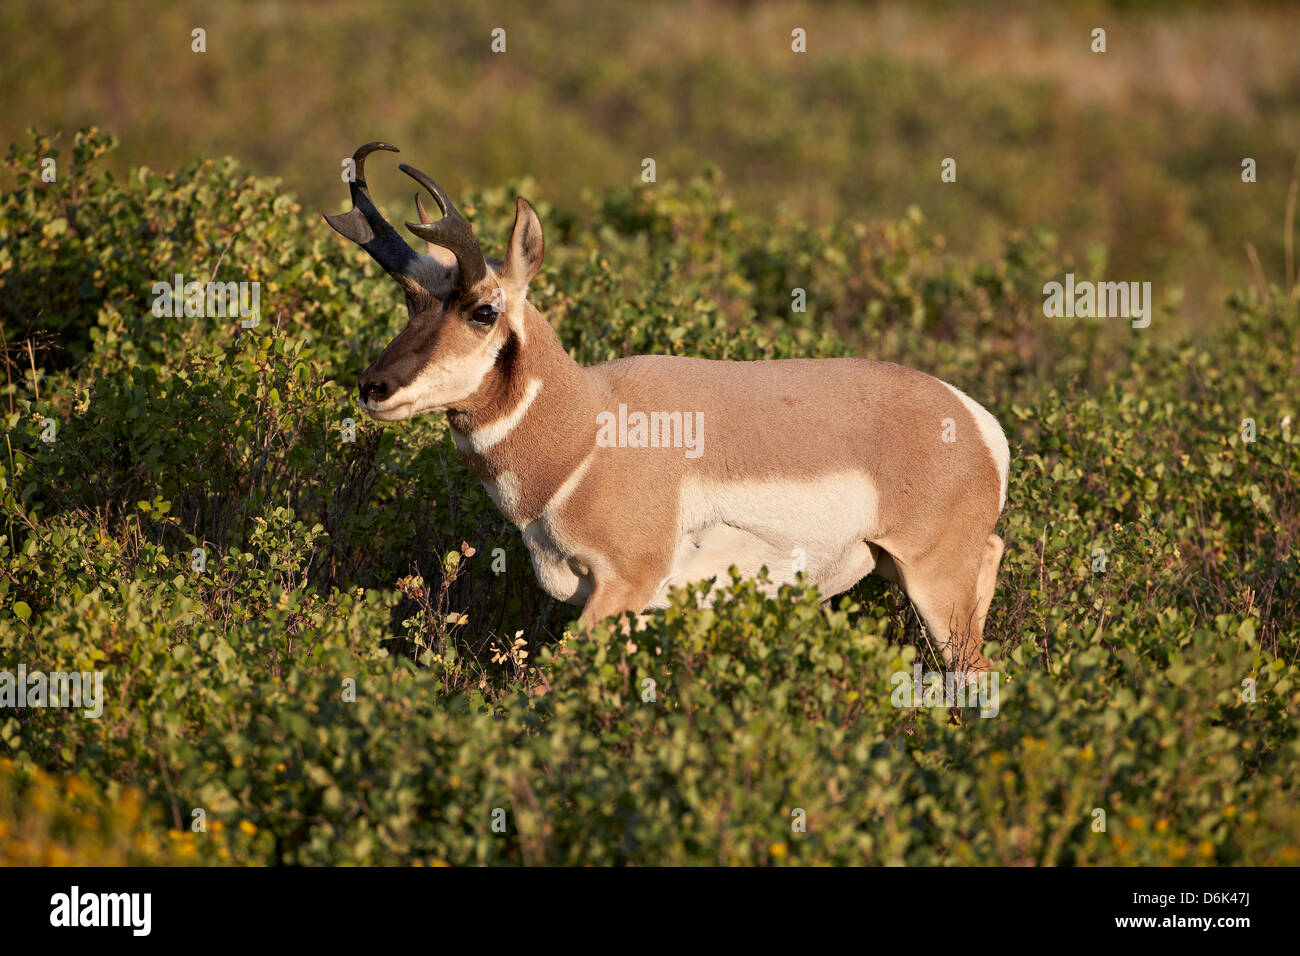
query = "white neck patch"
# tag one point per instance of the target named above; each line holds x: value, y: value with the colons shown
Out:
x: 493, y: 433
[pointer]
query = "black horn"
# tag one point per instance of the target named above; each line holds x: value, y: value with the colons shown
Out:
x: 367, y: 227
x: 452, y: 231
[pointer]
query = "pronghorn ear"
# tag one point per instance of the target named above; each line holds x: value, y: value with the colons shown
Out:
x: 524, y: 258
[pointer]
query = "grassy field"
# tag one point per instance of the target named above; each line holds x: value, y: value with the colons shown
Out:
x: 305, y: 639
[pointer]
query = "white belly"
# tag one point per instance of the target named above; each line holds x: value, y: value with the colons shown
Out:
x: 819, y: 526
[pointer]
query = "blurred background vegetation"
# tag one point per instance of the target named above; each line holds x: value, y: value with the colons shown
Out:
x: 1131, y: 157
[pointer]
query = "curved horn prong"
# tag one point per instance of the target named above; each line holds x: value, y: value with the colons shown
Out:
x: 452, y: 231
x: 445, y: 205
x: 367, y: 227
x: 425, y: 220
x: 419, y: 207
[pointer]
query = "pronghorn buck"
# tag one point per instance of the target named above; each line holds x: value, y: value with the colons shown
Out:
x: 651, y: 472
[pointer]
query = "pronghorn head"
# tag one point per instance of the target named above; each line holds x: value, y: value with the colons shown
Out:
x: 465, y: 313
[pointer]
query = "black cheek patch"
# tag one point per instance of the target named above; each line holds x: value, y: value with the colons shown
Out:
x: 508, y: 353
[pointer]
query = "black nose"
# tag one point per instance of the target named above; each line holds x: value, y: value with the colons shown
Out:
x: 376, y: 390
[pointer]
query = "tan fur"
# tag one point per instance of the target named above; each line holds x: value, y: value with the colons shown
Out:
x: 840, y: 460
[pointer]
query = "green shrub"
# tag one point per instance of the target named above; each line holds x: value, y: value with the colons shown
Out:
x: 344, y: 677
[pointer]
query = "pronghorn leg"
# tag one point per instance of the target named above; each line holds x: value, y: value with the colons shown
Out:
x: 885, y: 566
x: 988, y: 579
x: 944, y: 587
x: 615, y: 597
x: 855, y: 565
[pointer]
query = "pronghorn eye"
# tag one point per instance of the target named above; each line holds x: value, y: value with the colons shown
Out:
x: 484, y: 315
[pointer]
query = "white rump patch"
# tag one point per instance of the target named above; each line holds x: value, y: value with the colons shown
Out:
x: 994, y: 439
